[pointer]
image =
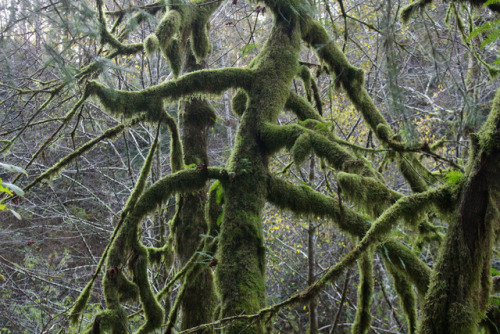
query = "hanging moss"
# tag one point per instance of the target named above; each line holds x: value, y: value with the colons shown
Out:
x: 407, y: 297
x: 168, y: 27
x: 181, y: 22
x: 200, y: 41
x: 408, y: 264
x: 174, y: 52
x: 301, y: 149
x: 306, y: 77
x: 367, y: 192
x: 363, y: 318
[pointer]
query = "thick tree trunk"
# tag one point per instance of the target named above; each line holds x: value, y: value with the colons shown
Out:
x: 460, y: 284
x: 241, y: 268
x: 196, y: 116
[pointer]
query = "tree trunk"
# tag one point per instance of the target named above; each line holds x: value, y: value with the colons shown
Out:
x: 460, y: 284
x: 196, y: 116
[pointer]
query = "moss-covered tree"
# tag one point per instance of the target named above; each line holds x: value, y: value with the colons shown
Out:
x: 229, y: 215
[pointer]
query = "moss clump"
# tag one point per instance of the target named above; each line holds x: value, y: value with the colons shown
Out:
x: 183, y: 22
x: 200, y: 41
x: 301, y: 149
x: 173, y: 52
x: 151, y: 44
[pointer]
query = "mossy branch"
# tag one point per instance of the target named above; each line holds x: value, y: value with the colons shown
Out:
x: 367, y: 192
x: 53, y: 171
x: 303, y: 141
x: 352, y: 79
x: 407, y: 297
x: 305, y: 200
x: 150, y: 100
x: 108, y: 38
x: 363, y: 318
x: 311, y: 87
x: 176, y: 151
x: 301, y: 107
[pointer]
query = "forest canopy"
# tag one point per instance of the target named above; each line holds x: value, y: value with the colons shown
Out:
x: 276, y: 166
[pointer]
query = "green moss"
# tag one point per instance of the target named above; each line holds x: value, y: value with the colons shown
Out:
x: 363, y: 317
x: 151, y: 44
x: 173, y: 53
x: 150, y: 100
x: 80, y: 303
x: 113, y: 321
x: 407, y: 297
x: 239, y: 102
x: 384, y: 132
x: 408, y: 264
x: 128, y: 290
x: 461, y: 281
x: 168, y: 27
x: 303, y: 141
x: 152, y: 309
x: 306, y: 77
x: 125, y: 103
x: 367, y: 192
x: 200, y: 41
x: 301, y: 149
x: 301, y: 107
x: 409, y: 10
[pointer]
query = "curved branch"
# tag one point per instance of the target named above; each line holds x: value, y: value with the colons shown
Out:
x: 302, y: 108
x: 108, y: 38
x: 150, y: 100
x: 352, y: 79
x: 303, y: 141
